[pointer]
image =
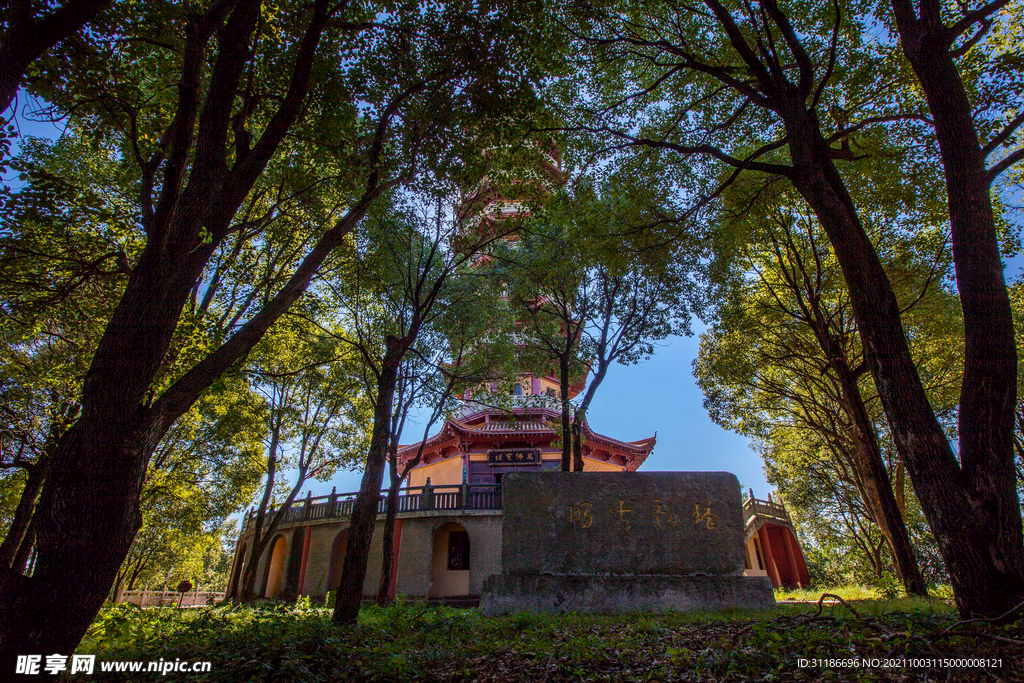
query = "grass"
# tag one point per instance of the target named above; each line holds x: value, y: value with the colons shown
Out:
x: 875, y: 600
x: 416, y: 642
x: 850, y: 592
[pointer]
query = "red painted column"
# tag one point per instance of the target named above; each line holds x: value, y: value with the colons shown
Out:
x: 794, y: 569
x: 305, y: 556
x: 766, y: 549
x: 801, y: 563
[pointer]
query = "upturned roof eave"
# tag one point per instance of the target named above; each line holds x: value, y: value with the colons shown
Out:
x: 637, y: 451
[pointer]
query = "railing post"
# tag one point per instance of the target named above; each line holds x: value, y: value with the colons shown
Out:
x: 308, y: 512
x: 428, y: 503
x: 464, y: 500
x: 333, y: 500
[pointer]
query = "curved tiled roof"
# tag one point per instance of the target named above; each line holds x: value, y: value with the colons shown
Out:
x: 490, y: 424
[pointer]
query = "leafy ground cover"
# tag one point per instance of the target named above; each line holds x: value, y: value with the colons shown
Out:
x: 417, y: 642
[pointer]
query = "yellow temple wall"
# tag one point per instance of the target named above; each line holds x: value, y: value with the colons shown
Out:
x: 444, y: 473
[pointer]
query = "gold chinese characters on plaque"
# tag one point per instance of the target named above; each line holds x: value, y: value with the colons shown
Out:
x: 513, y: 456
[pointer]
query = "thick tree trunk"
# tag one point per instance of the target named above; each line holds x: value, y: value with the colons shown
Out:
x: 872, y: 475
x: 23, y: 513
x: 388, y: 548
x: 980, y: 540
x: 976, y: 516
x: 364, y: 508
x: 971, y: 505
x: 88, y: 513
x: 102, y: 515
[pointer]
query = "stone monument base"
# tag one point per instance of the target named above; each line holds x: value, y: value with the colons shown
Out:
x: 521, y: 592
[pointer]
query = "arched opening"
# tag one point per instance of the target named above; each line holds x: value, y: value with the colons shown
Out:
x: 449, y: 565
x: 276, y: 568
x: 338, y: 559
x: 236, y: 575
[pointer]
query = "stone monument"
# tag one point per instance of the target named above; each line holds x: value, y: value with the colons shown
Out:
x: 603, y: 542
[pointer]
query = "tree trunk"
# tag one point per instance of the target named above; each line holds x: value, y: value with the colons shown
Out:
x: 117, y: 587
x: 20, y: 563
x: 971, y: 531
x: 577, y: 448
x: 364, y: 508
x: 876, y: 559
x: 388, y: 548
x: 563, y: 392
x: 28, y: 37
x: 391, y: 506
x: 85, y: 523
x: 872, y: 478
x: 581, y: 412
x: 248, y: 593
x: 877, y: 489
x: 135, y: 572
x: 23, y: 513
x: 976, y: 516
x: 260, y: 537
x: 88, y: 513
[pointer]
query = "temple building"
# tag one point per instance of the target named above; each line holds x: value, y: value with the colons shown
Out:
x: 480, y: 445
x: 449, y: 526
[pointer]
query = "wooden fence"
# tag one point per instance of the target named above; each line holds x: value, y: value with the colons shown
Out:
x: 160, y: 598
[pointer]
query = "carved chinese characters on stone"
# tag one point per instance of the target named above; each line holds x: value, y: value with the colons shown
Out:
x: 706, y: 515
x: 663, y: 515
x: 622, y: 523
x: 622, y: 541
x: 622, y: 512
x: 580, y: 514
